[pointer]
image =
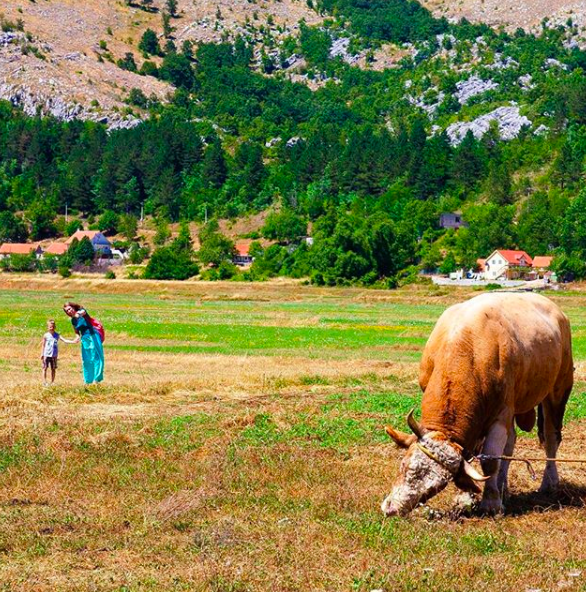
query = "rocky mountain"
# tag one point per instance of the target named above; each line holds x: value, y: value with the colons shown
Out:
x: 63, y: 60
x: 60, y: 57
x: 527, y: 14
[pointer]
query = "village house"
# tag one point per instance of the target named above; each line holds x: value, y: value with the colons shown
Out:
x: 100, y: 243
x: 541, y: 266
x: 8, y: 249
x: 507, y: 264
x: 452, y: 220
x: 242, y: 255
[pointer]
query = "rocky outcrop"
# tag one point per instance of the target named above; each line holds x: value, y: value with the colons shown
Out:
x: 509, y: 121
x: 466, y: 89
x: 39, y: 104
x: 340, y: 49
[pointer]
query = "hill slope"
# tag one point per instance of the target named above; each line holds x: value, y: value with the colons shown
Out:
x: 64, y: 62
x: 526, y: 14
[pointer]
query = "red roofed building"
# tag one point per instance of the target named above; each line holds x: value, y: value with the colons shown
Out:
x: 542, y: 262
x: 8, y: 249
x: 242, y: 256
x: 507, y: 264
x: 57, y: 249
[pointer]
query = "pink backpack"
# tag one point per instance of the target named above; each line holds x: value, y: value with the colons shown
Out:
x: 99, y: 328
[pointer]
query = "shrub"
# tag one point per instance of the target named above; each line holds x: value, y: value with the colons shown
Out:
x: 21, y: 263
x: 64, y: 271
x: 137, y: 254
x: 227, y: 270
x: 110, y: 275
x: 569, y: 267
x: 168, y: 263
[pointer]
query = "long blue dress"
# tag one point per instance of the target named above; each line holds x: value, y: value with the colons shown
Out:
x: 92, y: 351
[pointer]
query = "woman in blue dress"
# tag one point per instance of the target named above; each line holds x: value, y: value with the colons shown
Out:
x: 92, y: 352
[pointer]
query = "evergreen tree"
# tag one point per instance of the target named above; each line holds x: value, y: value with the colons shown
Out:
x: 573, y: 227
x: 215, y: 169
x: 176, y: 69
x: 149, y: 43
x: 171, y: 6
x: 127, y: 63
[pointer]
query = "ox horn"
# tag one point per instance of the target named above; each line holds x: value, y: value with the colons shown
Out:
x: 418, y: 430
x: 472, y: 472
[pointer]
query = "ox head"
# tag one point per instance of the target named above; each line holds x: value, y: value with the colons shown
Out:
x: 430, y: 463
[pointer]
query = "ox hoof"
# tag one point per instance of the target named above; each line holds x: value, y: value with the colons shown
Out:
x: 548, y: 487
x: 491, y: 507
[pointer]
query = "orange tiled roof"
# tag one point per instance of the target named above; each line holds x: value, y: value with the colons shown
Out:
x: 243, y: 248
x: 57, y: 249
x: 18, y: 248
x: 542, y: 262
x: 81, y: 234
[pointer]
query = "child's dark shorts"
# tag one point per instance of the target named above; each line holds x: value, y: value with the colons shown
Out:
x: 50, y: 362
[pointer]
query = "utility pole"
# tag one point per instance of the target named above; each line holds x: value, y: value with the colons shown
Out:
x: 66, y: 214
x: 142, y: 212
x: 206, y: 213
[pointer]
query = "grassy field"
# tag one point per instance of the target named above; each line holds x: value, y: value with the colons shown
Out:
x: 237, y: 445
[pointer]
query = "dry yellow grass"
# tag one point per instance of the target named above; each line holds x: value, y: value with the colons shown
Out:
x: 230, y: 472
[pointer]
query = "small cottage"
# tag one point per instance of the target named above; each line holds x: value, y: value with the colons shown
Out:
x: 452, y: 220
x: 242, y: 255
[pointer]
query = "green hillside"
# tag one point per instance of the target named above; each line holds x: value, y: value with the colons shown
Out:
x: 472, y: 119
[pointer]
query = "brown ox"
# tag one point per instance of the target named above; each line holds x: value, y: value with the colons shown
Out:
x: 488, y: 362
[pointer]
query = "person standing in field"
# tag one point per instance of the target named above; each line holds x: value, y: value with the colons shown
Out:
x: 92, y: 351
x: 50, y: 351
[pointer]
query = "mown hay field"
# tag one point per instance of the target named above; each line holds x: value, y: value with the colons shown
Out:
x: 237, y: 444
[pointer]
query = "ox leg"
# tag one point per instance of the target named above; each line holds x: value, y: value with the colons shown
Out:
x: 503, y: 475
x: 550, y: 435
x: 494, y: 445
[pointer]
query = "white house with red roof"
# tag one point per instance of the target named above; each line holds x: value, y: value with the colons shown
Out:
x: 8, y: 249
x: 100, y: 243
x: 507, y: 264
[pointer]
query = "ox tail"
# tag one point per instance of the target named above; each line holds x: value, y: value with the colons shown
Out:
x: 540, y: 432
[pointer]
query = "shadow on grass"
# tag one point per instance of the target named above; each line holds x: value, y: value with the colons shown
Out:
x: 569, y: 495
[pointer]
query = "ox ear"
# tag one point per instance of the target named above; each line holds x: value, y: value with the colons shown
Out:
x: 401, y: 439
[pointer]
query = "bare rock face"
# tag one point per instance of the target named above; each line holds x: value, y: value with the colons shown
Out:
x: 466, y: 89
x: 509, y: 121
x: 340, y: 49
x: 40, y: 104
